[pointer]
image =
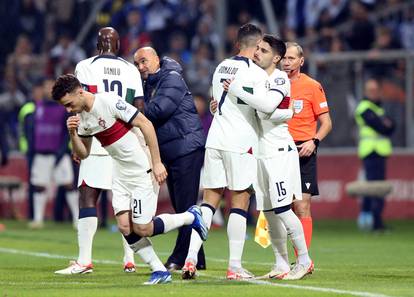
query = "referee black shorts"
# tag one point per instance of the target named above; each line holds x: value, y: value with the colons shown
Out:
x: 309, y: 175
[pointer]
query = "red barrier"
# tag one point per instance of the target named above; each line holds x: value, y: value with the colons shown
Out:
x: 335, y: 171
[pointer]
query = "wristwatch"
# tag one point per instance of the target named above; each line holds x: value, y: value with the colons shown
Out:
x: 316, y: 141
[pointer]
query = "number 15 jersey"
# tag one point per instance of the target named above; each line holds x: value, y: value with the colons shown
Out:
x: 112, y: 74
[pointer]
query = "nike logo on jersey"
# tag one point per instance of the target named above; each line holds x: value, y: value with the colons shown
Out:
x: 307, y: 185
x: 281, y: 199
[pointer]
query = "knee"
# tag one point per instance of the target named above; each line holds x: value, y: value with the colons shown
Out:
x: 124, y: 228
x: 302, y: 208
x: 143, y: 230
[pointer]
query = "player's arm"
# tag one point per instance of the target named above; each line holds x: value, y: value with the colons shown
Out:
x: 81, y: 145
x: 148, y: 131
x: 261, y: 99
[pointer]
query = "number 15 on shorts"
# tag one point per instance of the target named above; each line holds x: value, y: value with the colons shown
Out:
x: 136, y: 208
x: 280, y: 191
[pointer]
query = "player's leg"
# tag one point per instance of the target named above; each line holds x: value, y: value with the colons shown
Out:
x: 241, y: 172
x: 302, y: 208
x: 143, y: 247
x: 40, y: 178
x: 211, y: 200
x: 63, y: 175
x: 213, y: 183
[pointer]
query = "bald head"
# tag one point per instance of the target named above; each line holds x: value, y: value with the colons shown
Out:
x: 147, y: 61
x: 108, y: 41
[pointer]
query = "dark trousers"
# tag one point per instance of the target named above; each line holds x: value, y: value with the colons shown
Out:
x: 183, y: 185
x: 375, y: 168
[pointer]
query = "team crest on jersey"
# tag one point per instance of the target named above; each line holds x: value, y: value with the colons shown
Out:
x: 279, y: 81
x: 297, y: 105
x: 102, y: 123
x: 121, y: 105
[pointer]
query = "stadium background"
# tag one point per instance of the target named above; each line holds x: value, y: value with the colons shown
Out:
x: 345, y: 42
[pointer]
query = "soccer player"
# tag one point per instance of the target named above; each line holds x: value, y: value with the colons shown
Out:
x: 103, y: 73
x: 231, y: 141
x: 310, y: 106
x: 278, y: 167
x: 110, y: 119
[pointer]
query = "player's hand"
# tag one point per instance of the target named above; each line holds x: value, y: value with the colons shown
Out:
x: 307, y: 148
x: 226, y: 84
x: 76, y: 158
x: 72, y: 123
x: 160, y: 173
x: 213, y: 105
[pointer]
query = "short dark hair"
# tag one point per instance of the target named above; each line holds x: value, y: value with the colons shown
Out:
x: 248, y: 35
x: 64, y: 84
x: 277, y: 44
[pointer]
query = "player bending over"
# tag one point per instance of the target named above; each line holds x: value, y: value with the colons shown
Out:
x: 110, y: 119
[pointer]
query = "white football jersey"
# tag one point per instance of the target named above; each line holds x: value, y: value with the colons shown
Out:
x: 108, y: 73
x: 234, y: 126
x: 273, y: 134
x: 109, y: 121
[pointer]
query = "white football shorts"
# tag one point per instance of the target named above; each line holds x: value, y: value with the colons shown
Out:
x: 236, y: 171
x: 278, y: 179
x: 140, y: 195
x: 44, y: 170
x: 96, y: 172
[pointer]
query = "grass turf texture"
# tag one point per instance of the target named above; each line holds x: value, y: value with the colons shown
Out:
x: 347, y: 262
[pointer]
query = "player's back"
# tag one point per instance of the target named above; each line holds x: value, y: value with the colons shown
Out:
x: 274, y: 134
x: 234, y: 126
x: 108, y: 73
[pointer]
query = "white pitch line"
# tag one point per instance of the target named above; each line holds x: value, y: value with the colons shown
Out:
x: 256, y: 282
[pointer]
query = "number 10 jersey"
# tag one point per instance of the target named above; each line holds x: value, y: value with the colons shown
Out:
x: 109, y: 73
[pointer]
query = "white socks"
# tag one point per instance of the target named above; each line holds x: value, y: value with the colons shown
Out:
x: 39, y: 205
x: 174, y: 221
x: 145, y: 250
x: 295, y: 232
x: 86, y: 231
x: 278, y: 237
x: 196, y: 241
x: 236, y: 232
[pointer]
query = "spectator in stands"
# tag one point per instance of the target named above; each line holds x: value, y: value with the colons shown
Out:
x: 200, y: 70
x: 361, y: 34
x: 65, y: 54
x: 135, y: 35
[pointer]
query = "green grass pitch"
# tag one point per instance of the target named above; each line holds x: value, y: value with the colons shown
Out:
x: 347, y: 262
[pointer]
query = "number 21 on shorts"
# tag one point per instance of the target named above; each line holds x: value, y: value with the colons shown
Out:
x: 136, y: 208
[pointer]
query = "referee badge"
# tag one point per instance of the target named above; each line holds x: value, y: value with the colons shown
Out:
x: 297, y: 105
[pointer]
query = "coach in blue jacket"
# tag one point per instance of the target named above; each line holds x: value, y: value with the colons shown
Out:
x: 170, y: 106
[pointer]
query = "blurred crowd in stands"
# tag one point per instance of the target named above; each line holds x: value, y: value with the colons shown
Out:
x: 39, y: 37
